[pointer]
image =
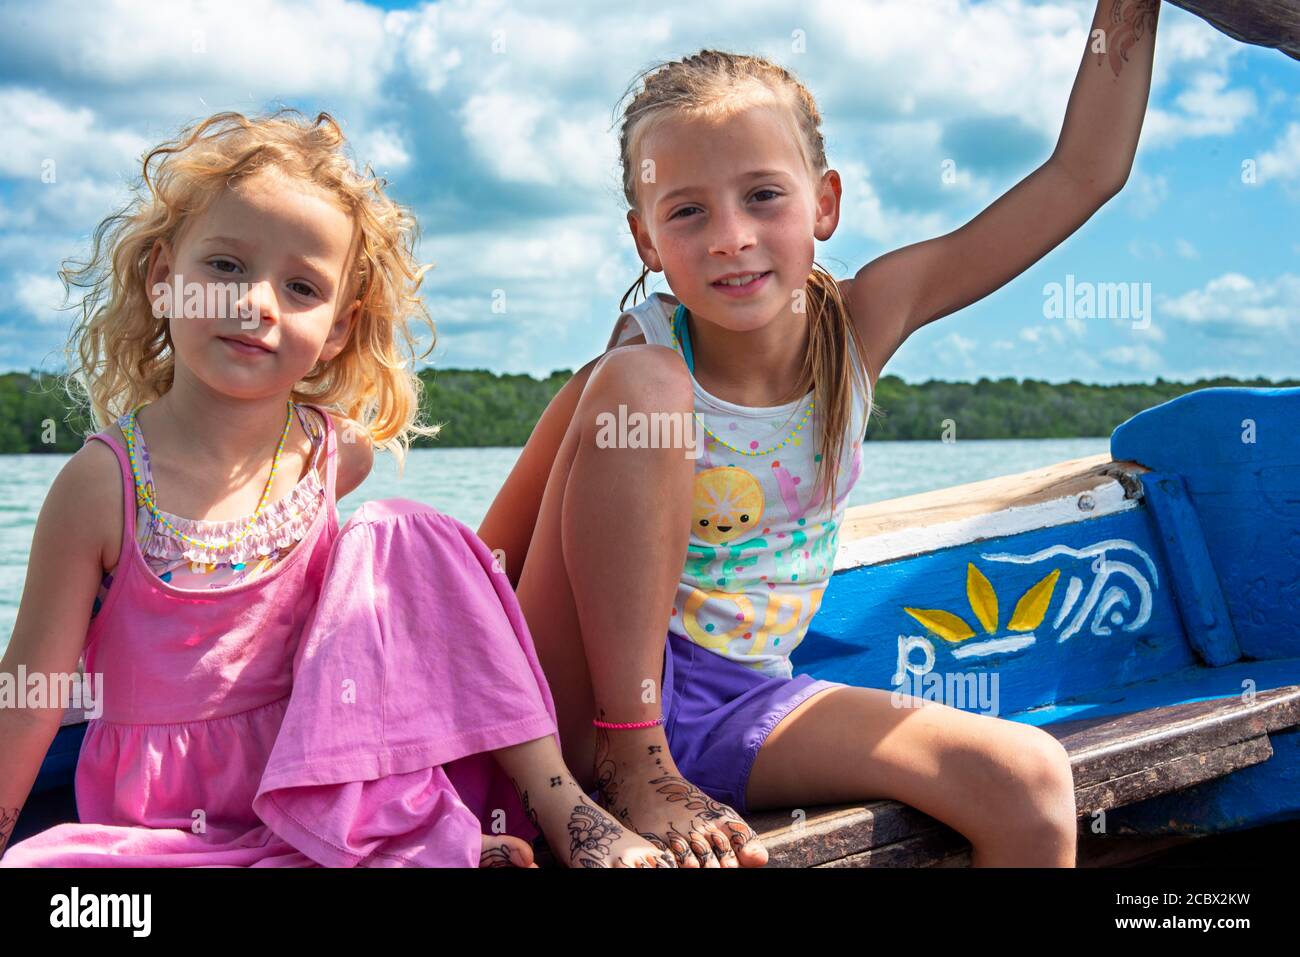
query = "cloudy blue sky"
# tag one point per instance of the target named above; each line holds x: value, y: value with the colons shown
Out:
x: 494, y: 121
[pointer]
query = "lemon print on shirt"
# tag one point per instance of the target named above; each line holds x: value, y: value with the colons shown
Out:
x: 728, y: 504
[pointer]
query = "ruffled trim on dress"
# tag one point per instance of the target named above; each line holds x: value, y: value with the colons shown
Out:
x: 278, y: 526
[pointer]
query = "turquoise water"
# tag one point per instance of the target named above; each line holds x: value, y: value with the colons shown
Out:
x: 463, y: 482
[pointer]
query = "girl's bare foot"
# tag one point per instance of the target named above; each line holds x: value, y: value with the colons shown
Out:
x: 581, y: 834
x: 641, y: 786
x: 505, y: 850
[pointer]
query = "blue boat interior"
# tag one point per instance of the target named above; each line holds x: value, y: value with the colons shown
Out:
x: 1193, y: 596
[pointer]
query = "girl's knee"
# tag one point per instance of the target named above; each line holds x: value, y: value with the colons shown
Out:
x: 648, y: 378
x: 1043, y: 768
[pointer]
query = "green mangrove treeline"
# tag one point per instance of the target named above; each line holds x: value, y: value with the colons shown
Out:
x: 481, y: 408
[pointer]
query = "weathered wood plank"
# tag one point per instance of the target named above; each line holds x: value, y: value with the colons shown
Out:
x: 937, y: 847
x: 1117, y: 760
x: 1062, y: 479
x: 822, y: 834
x: 1182, y: 772
x: 1270, y: 23
x: 1109, y: 748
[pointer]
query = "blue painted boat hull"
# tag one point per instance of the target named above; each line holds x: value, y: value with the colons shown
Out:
x: 1191, y: 594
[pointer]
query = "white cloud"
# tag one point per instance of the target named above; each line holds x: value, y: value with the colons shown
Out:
x: 1041, y: 335
x: 40, y: 297
x: 1145, y: 193
x: 221, y: 52
x: 1282, y: 162
x: 1185, y: 249
x: 1143, y: 358
x: 523, y: 93
x: 863, y: 212
x: 954, y: 351
x: 383, y: 149
x: 44, y: 138
x: 1144, y: 249
x: 1233, y: 305
x: 528, y: 139
x: 1208, y: 109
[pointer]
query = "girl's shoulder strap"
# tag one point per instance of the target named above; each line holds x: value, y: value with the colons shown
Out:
x: 331, y: 449
x: 128, y: 483
x: 651, y: 318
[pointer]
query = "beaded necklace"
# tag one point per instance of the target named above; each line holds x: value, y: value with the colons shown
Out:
x: 682, y: 343
x: 147, y: 490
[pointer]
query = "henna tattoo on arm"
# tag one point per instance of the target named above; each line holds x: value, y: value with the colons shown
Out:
x: 1129, y: 22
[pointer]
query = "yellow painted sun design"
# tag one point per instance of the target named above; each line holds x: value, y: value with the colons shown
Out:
x: 728, y: 503
x: 1028, y: 615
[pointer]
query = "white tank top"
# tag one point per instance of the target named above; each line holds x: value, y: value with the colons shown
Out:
x: 763, y: 543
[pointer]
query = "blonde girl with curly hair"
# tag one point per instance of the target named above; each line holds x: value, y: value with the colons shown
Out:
x: 270, y: 689
x: 666, y: 581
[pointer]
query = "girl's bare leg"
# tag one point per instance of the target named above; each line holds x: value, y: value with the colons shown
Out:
x: 579, y: 833
x: 1005, y: 786
x: 597, y: 588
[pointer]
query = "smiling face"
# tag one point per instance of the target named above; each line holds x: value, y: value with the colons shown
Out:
x: 288, y: 247
x: 729, y: 197
x: 728, y: 504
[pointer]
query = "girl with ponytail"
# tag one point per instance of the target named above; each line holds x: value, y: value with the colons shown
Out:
x: 692, y: 480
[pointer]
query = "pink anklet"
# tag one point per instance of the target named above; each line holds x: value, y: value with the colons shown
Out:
x: 634, y: 724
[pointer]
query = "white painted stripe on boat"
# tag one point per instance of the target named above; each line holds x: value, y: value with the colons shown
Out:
x: 1107, y: 499
x: 994, y: 645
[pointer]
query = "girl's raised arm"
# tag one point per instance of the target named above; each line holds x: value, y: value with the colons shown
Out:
x: 893, y: 296
x: 63, y: 575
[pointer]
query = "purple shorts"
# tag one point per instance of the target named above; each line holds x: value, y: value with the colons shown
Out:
x: 718, y: 713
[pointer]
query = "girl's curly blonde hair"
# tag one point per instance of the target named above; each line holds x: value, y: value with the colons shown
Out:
x: 718, y: 84
x: 120, y: 355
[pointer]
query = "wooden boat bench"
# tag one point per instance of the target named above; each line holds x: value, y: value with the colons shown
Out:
x: 1117, y: 760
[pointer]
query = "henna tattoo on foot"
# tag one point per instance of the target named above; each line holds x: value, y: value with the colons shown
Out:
x: 591, y: 835
x: 8, y: 818
x: 677, y: 789
x: 608, y: 785
x: 497, y: 856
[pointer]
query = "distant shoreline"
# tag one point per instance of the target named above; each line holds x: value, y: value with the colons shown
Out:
x: 482, y: 409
